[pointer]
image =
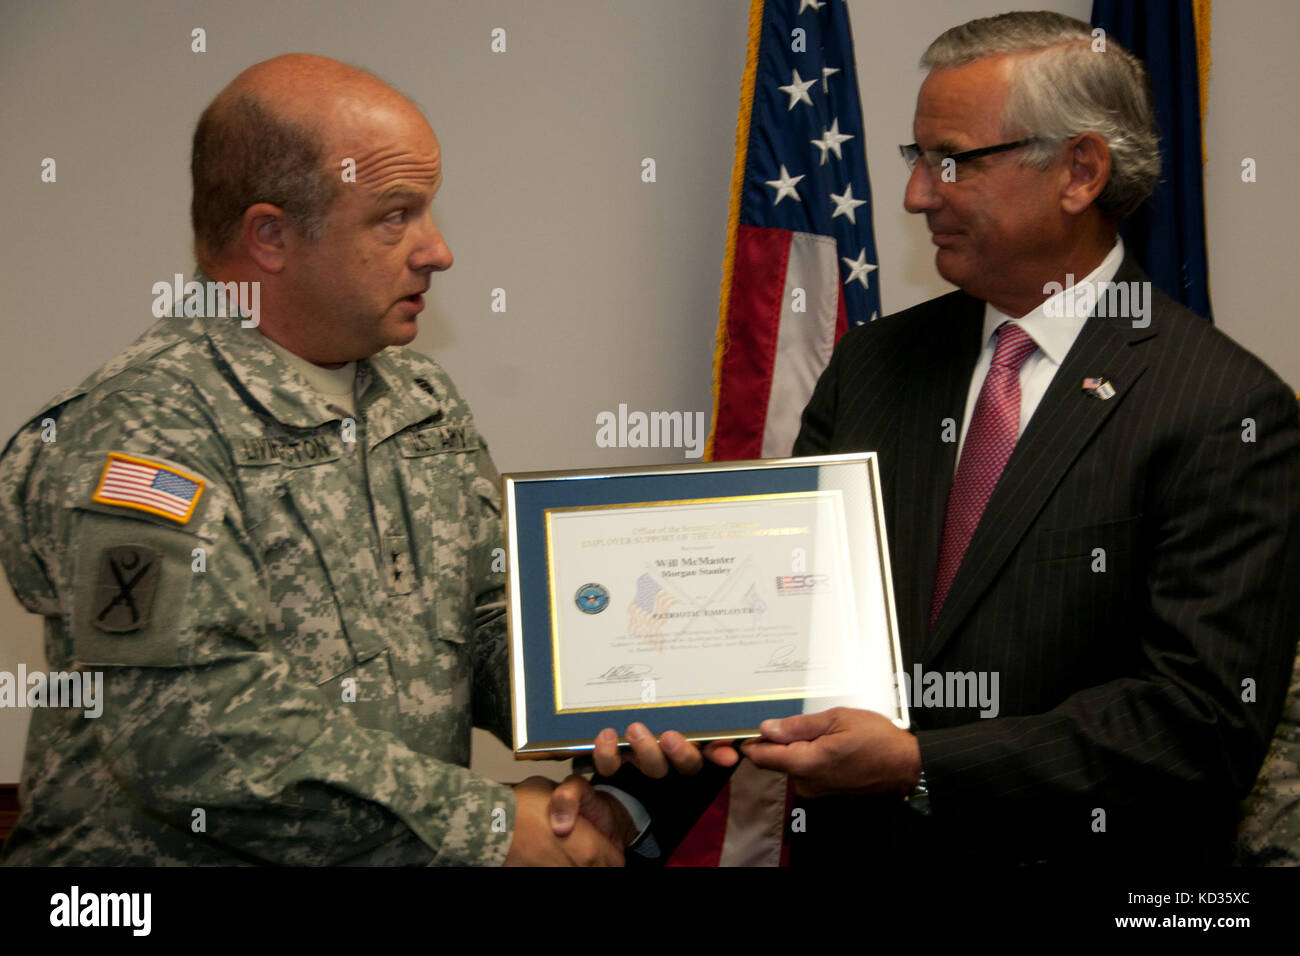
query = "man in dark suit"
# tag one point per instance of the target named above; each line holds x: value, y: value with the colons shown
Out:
x: 1099, y: 510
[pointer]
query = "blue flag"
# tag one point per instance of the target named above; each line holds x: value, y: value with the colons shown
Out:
x: 1167, y: 232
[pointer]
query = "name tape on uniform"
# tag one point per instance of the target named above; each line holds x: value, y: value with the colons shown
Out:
x: 291, y: 452
x: 436, y: 439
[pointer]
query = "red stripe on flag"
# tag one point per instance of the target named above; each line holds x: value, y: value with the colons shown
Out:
x: 841, y: 317
x: 753, y: 320
x: 789, y: 784
x: 121, y: 492
x: 703, y: 844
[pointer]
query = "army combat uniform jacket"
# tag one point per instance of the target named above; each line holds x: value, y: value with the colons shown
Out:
x: 296, y: 615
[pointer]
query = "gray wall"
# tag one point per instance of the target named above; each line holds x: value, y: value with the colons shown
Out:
x: 611, y: 283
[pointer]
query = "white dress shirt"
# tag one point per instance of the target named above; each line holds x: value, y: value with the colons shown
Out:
x: 1054, y: 334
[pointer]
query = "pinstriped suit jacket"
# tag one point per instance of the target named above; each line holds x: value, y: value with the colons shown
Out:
x: 1135, y: 702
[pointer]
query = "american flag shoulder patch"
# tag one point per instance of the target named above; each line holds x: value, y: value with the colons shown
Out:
x: 142, y: 485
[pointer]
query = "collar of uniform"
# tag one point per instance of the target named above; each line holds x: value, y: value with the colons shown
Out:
x: 393, y: 397
x: 1055, y: 333
x: 284, y: 393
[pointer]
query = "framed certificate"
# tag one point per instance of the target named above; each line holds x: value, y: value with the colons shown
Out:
x: 702, y: 598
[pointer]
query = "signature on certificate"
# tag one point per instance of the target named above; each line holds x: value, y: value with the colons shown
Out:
x: 785, y: 658
x: 621, y: 673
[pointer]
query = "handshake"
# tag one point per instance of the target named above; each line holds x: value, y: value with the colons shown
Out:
x: 836, y: 751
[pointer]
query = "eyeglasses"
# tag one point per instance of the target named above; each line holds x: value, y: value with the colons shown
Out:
x: 934, y: 158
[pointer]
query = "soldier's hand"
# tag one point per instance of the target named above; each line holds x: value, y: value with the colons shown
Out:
x: 653, y: 757
x: 534, y: 844
x: 575, y: 798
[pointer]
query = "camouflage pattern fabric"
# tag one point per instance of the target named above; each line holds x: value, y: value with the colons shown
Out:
x: 297, y: 682
x: 1269, y: 834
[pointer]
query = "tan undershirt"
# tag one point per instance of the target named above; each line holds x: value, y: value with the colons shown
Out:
x: 336, y: 384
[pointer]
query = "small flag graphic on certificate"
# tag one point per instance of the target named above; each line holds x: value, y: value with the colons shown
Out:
x: 147, y: 486
x: 644, y: 612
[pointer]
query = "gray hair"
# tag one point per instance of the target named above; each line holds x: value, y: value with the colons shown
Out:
x: 1065, y: 89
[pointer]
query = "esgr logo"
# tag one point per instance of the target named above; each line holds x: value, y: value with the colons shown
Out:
x: 791, y: 584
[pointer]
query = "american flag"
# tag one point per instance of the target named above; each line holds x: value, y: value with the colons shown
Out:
x: 650, y: 599
x: 146, y: 486
x: 801, y: 252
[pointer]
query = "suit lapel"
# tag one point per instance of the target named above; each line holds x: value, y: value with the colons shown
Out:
x: 1064, y: 422
x: 936, y: 390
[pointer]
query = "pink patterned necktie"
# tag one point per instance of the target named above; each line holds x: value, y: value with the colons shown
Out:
x: 994, y: 428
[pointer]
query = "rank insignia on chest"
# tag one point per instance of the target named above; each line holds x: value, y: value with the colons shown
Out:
x: 148, y: 486
x: 128, y: 579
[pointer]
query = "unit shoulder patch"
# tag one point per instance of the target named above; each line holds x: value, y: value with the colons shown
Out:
x: 128, y: 580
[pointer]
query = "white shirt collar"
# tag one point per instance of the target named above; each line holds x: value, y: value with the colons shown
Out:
x: 1053, y: 326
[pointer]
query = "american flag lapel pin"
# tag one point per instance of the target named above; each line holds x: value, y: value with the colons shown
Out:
x: 1099, y: 388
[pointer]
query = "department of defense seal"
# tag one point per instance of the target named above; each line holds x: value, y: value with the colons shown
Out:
x: 592, y: 598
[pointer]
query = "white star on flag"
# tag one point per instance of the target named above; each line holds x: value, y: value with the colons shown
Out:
x: 798, y: 90
x: 845, y: 204
x: 859, y: 269
x: 785, y: 186
x: 831, y: 140
x: 827, y: 73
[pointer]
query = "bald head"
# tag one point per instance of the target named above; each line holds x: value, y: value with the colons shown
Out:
x: 270, y: 136
x: 311, y: 89
x: 315, y: 179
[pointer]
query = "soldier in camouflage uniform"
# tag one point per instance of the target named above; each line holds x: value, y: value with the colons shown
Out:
x: 1269, y: 834
x: 292, y: 596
